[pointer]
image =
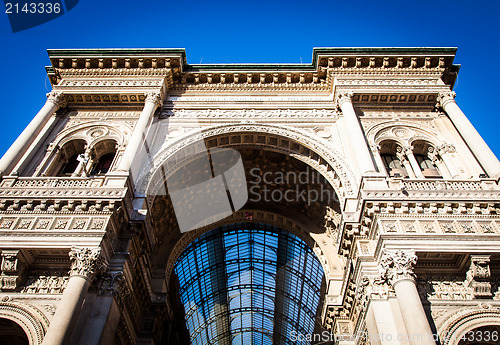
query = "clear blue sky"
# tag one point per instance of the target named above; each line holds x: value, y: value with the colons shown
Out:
x: 258, y: 31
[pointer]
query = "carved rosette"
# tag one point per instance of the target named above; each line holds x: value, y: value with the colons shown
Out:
x: 397, y: 265
x: 445, y: 97
x: 57, y: 98
x: 343, y: 97
x: 154, y: 98
x: 86, y: 262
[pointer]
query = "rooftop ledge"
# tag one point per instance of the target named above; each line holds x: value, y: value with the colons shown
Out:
x: 180, y: 53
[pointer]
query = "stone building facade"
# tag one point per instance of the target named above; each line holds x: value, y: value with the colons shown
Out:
x: 408, y: 239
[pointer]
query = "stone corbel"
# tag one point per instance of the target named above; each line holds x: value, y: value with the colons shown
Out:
x: 479, y: 276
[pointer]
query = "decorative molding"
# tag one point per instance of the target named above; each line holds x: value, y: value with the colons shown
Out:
x: 340, y: 176
x: 33, y: 322
x: 462, y: 321
x: 444, y: 288
x: 439, y: 226
x: 45, y: 283
x: 262, y: 114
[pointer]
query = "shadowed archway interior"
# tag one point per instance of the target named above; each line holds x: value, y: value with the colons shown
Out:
x: 249, y: 283
x: 11, y: 333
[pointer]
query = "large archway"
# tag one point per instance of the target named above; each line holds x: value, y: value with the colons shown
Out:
x: 290, y: 187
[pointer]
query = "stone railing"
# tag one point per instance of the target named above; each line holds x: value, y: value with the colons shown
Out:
x: 442, y: 185
x: 52, y: 182
x: 403, y: 188
x: 62, y: 187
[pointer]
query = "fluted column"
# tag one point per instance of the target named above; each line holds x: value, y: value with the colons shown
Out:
x: 396, y: 268
x: 55, y: 100
x: 355, y: 134
x: 472, y: 138
x: 85, y: 263
x: 153, y: 101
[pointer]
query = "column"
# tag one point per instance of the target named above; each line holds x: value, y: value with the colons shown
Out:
x: 402, y: 157
x: 414, y: 164
x: 55, y: 100
x: 444, y: 152
x: 397, y: 269
x: 85, y: 263
x: 355, y: 134
x: 378, y: 159
x: 153, y: 101
x: 472, y: 138
x: 437, y: 160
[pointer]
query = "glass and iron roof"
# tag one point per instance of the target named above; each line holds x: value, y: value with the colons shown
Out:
x: 249, y: 283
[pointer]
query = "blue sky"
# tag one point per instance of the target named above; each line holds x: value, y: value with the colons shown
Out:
x: 257, y: 31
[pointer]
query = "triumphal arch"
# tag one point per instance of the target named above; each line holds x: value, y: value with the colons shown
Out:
x: 347, y: 201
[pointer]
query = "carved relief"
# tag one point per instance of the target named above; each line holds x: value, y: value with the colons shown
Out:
x: 479, y: 275
x: 45, y: 283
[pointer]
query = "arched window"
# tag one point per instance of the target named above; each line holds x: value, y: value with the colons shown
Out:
x: 70, y: 166
x: 69, y: 157
x: 424, y: 152
x: 392, y: 162
x: 103, y: 164
x: 104, y: 153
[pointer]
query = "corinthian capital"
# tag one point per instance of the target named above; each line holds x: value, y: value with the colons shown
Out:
x: 154, y: 98
x: 344, y: 96
x: 57, y: 98
x: 86, y: 262
x: 445, y: 97
x: 397, y: 265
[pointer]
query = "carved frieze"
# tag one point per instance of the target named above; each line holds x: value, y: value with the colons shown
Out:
x: 45, y: 283
x: 444, y: 288
x: 297, y: 114
x: 439, y: 226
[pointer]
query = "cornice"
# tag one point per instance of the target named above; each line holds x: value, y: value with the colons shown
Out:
x: 325, y: 63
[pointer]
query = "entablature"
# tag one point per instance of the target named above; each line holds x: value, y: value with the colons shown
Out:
x: 391, y: 67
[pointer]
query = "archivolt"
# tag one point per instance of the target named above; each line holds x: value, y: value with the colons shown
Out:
x: 312, y: 150
x: 466, y: 320
x: 31, y: 320
x: 403, y: 132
